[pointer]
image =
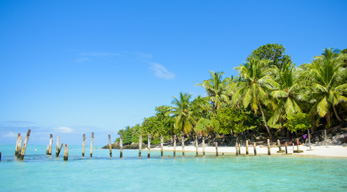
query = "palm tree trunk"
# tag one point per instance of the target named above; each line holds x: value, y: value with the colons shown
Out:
x: 337, y: 116
x: 264, y: 119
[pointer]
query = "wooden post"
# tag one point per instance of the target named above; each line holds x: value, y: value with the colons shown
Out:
x: 59, y: 147
x: 121, y: 146
x: 0, y: 156
x: 203, y: 146
x: 149, y: 146
x: 325, y: 138
x: 255, y: 148
x: 174, y: 151
x: 247, y: 147
x: 237, y: 151
x: 162, y: 146
x: 297, y: 143
x: 286, y: 147
x: 110, y: 144
x: 91, y: 145
x: 16, y: 152
x: 217, y: 149
x: 309, y: 138
x: 182, y: 146
x: 20, y: 146
x: 197, y: 145
x: 50, y: 144
x: 25, y: 145
x: 239, y: 148
x: 66, y: 153
x: 83, y: 144
x: 140, y: 145
x: 279, y: 147
x: 268, y: 147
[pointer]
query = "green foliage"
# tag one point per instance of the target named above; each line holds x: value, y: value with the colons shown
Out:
x: 298, y: 122
x: 274, y: 52
x: 268, y: 82
x: 232, y: 120
x: 203, y: 127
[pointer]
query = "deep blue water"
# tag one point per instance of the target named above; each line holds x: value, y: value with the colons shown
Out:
x: 39, y: 172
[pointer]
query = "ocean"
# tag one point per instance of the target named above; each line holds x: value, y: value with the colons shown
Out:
x: 39, y: 172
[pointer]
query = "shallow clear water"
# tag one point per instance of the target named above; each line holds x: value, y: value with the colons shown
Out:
x: 39, y: 172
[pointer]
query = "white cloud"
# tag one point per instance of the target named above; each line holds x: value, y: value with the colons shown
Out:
x: 161, y: 72
x: 64, y: 129
x: 10, y: 134
x: 99, y: 54
x: 81, y: 60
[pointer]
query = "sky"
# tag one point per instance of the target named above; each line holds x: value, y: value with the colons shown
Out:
x: 74, y: 67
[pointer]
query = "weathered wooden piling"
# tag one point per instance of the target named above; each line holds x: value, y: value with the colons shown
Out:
x: 255, y: 148
x: 59, y: 147
x: 121, y: 146
x: 16, y: 152
x: 297, y: 151
x: 182, y: 146
x: 286, y: 147
x: 309, y: 139
x: 174, y: 151
x: 47, y: 150
x: 25, y: 145
x: 110, y: 144
x: 91, y: 145
x: 66, y: 153
x: 20, y: 146
x: 268, y: 147
x: 161, y: 146
x: 240, y: 148
x: 197, y: 145
x: 236, y: 146
x: 149, y: 146
x: 50, y: 144
x: 279, y: 147
x: 140, y: 145
x: 247, y: 147
x: 83, y: 144
x: 217, y: 149
x: 325, y: 138
x: 0, y: 156
x: 203, y: 146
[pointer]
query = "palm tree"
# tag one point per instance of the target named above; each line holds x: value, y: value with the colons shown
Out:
x: 323, y: 79
x: 253, y: 89
x: 286, y: 94
x: 216, y: 89
x: 183, y: 113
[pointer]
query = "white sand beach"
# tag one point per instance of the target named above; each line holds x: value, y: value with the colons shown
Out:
x: 322, y: 151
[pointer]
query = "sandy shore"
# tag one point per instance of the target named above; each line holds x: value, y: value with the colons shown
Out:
x: 322, y: 151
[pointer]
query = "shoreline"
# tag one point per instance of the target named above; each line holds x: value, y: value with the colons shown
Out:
x: 317, y: 151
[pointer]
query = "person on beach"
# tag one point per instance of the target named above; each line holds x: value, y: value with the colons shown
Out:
x: 305, y: 137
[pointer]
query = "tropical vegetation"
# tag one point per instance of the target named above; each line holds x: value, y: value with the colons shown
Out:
x: 269, y: 97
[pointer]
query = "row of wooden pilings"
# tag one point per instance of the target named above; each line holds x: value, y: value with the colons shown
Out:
x: 20, y: 150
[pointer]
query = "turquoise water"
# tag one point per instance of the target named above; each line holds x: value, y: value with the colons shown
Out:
x: 39, y: 172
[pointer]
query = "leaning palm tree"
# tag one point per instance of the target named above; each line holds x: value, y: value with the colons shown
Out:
x: 254, y: 88
x: 183, y: 113
x: 216, y: 89
x: 286, y: 94
x: 323, y: 79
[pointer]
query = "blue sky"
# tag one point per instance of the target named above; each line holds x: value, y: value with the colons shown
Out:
x: 73, y: 67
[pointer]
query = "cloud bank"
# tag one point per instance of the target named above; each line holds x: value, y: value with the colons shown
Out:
x: 161, y: 72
